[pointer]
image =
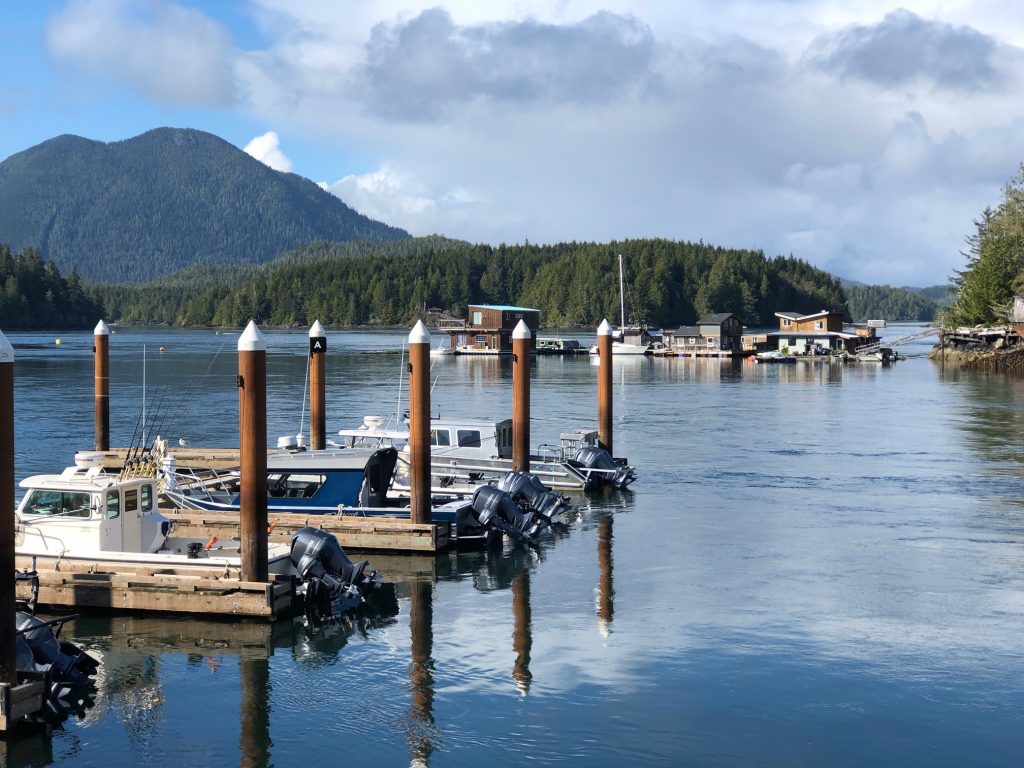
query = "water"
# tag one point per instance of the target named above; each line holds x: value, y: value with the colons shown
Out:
x: 819, y: 565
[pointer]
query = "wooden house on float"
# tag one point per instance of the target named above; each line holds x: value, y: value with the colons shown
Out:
x: 818, y: 333
x: 487, y: 329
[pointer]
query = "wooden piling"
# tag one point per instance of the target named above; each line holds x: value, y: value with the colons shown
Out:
x: 252, y: 402
x: 522, y: 632
x: 101, y: 384
x: 521, y: 338
x: 419, y: 424
x: 604, y: 385
x: 317, y: 387
x: 8, y: 606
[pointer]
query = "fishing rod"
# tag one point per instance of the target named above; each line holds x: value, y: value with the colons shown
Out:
x: 192, y: 380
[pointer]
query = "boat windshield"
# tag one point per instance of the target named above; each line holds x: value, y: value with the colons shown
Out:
x: 58, y: 503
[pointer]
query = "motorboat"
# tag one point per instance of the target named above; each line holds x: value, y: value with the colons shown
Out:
x: 466, y: 452
x: 87, y: 515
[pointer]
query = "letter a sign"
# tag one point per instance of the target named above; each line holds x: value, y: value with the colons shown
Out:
x: 317, y: 345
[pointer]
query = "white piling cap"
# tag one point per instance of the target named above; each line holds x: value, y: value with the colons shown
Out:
x: 317, y: 330
x: 419, y: 334
x: 522, y: 331
x: 101, y: 329
x: 251, y: 339
x: 6, y: 350
x: 604, y: 329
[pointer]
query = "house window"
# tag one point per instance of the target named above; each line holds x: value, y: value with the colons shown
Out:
x: 481, y: 339
x: 469, y: 438
x: 786, y: 322
x: 478, y: 318
x: 819, y: 324
x: 693, y: 339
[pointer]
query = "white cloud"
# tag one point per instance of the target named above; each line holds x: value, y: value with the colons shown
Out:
x: 267, y: 149
x: 173, y: 55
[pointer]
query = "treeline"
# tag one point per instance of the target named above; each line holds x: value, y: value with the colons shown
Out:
x: 884, y: 302
x: 667, y: 283
x: 994, y: 273
x: 33, y: 294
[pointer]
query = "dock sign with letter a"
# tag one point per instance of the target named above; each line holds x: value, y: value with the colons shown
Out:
x: 317, y: 345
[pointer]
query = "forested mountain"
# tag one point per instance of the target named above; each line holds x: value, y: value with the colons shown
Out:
x: 668, y: 283
x: 33, y: 294
x: 883, y: 302
x: 133, y: 210
x: 943, y: 295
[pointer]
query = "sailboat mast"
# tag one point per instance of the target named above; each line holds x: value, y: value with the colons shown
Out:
x: 622, y: 294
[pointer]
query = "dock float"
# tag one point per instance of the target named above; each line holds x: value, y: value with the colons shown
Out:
x: 369, y: 534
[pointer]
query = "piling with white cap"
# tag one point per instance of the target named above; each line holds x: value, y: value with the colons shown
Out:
x: 419, y: 424
x: 317, y: 387
x: 252, y: 406
x: 521, y: 345
x: 604, y: 384
x: 8, y: 606
x: 101, y: 384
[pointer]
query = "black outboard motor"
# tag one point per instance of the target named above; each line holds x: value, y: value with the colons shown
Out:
x: 495, y: 508
x: 598, y: 464
x: 326, y: 572
x: 39, y: 650
x: 522, y: 486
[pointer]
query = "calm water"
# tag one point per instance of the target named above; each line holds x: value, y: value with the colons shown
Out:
x: 819, y: 565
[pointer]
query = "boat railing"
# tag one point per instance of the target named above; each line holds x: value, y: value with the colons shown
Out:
x: 205, y: 484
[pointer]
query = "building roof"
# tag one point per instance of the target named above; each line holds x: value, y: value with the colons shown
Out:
x: 504, y: 308
x: 715, y: 318
x: 798, y: 316
x: 812, y: 334
x: 686, y: 330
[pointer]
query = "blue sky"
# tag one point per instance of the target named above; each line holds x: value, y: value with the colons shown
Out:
x: 864, y: 140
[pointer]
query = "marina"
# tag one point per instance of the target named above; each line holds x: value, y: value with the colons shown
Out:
x: 597, y: 590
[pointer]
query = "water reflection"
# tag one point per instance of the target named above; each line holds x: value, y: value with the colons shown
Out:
x: 522, y: 632
x: 420, y: 725
x: 255, y: 742
x: 605, y: 563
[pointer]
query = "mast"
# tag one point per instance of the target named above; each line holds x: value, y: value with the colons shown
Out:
x: 622, y: 297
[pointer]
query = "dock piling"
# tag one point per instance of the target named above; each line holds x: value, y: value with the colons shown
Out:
x: 8, y: 606
x: 419, y: 423
x: 252, y: 402
x: 521, y: 337
x: 317, y: 387
x: 101, y: 384
x: 604, y: 385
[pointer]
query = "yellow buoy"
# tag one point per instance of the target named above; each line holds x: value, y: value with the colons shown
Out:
x: 57, y: 342
x: 163, y: 349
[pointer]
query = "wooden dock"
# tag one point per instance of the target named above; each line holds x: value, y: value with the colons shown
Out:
x: 369, y: 534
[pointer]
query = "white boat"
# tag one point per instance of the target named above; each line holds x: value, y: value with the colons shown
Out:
x: 466, y: 452
x: 102, y: 521
x: 441, y: 350
x: 628, y: 340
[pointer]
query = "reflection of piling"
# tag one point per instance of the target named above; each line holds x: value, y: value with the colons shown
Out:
x: 101, y: 384
x: 522, y: 634
x: 605, y: 563
x: 604, y: 384
x: 421, y: 672
x: 521, y: 337
x: 419, y: 423
x: 252, y: 396
x: 317, y: 387
x: 254, y: 742
x: 8, y: 647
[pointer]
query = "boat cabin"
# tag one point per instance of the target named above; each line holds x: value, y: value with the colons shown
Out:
x: 84, y: 507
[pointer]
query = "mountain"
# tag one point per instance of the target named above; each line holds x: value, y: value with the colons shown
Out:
x: 131, y: 211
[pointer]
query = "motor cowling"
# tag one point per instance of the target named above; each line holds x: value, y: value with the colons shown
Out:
x: 495, y: 508
x: 603, y: 467
x: 529, y: 489
x: 324, y: 567
x: 39, y: 650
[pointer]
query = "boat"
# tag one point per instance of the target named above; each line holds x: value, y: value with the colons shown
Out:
x: 466, y: 452
x: 442, y: 350
x: 633, y: 339
x: 87, y: 515
x: 549, y: 345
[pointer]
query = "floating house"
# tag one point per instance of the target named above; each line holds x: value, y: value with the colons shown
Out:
x: 818, y: 333
x: 487, y: 329
x: 714, y: 335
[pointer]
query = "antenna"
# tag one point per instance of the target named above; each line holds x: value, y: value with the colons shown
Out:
x: 143, y: 394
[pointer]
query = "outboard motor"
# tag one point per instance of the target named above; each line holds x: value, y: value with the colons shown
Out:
x: 522, y: 486
x: 599, y: 465
x: 326, y: 572
x: 495, y: 508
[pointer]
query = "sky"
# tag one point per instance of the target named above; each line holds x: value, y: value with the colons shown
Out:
x: 862, y: 137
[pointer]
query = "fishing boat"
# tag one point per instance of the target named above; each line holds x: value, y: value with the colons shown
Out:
x: 88, y: 516
x: 466, y: 452
x: 629, y: 340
